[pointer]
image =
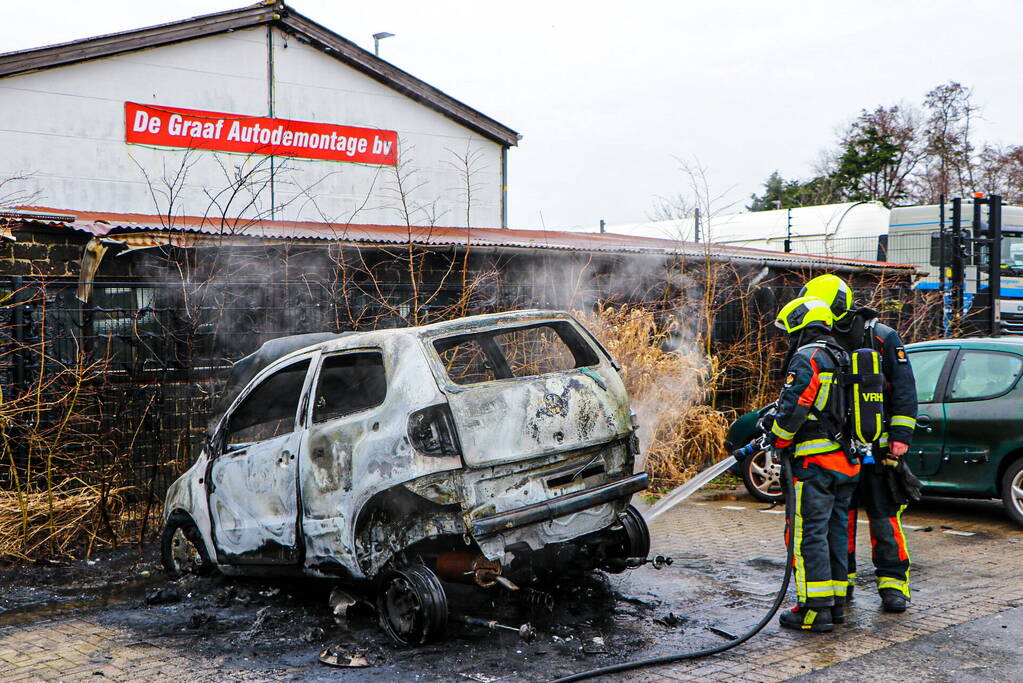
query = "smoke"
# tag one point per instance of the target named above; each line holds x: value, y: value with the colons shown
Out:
x: 668, y: 378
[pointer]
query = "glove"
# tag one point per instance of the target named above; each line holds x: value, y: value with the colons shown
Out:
x: 766, y: 420
x: 902, y: 483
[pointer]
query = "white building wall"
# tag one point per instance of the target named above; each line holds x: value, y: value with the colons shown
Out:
x: 64, y: 129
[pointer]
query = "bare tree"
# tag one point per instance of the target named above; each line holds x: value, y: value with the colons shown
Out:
x: 1001, y: 172
x: 951, y: 164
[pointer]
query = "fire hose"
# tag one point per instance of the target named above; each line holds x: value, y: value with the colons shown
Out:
x: 674, y: 498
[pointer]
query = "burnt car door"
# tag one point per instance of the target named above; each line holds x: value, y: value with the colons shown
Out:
x: 930, y: 368
x: 347, y: 420
x: 982, y: 403
x: 252, y: 481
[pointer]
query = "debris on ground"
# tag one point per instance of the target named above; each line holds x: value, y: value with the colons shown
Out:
x: 722, y: 632
x: 163, y: 596
x: 200, y: 620
x: 670, y: 621
x: 595, y: 647
x: 338, y: 656
x: 481, y: 678
x: 340, y: 601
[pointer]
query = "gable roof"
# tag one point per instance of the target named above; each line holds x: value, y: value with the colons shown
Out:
x: 270, y: 12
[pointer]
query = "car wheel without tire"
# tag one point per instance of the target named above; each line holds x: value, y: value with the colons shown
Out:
x: 761, y: 473
x: 632, y: 541
x: 412, y: 605
x: 1012, y: 491
x: 181, y: 548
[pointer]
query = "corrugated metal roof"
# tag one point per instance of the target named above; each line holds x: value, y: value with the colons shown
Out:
x: 114, y: 225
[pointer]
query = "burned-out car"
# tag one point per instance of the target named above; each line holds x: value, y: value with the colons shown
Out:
x: 494, y: 449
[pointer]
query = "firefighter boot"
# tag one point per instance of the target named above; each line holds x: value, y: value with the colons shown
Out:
x: 892, y: 600
x: 803, y: 618
x: 838, y: 612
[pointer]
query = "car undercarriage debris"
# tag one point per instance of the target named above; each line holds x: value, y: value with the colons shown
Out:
x: 526, y: 632
x: 466, y: 566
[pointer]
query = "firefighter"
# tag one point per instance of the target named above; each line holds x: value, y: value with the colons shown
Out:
x: 857, y: 328
x: 809, y: 417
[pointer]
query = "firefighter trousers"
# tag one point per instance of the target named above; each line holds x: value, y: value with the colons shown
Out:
x: 822, y: 497
x: 889, y: 550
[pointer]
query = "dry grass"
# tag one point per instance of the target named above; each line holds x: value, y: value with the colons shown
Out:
x: 668, y: 387
x: 65, y: 521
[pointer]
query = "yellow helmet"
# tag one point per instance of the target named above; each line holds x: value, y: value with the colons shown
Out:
x: 798, y: 313
x: 833, y: 291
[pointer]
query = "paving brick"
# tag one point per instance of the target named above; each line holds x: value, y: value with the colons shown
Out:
x: 956, y: 579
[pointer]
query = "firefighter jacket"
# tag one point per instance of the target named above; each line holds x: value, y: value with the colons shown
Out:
x: 860, y: 329
x: 809, y: 412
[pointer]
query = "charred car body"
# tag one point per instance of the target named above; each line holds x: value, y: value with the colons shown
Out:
x: 492, y: 449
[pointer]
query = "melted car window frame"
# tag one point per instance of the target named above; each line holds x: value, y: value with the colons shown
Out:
x: 257, y: 386
x: 315, y: 418
x: 496, y: 360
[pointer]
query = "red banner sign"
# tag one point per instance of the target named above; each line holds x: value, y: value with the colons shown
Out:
x: 193, y: 129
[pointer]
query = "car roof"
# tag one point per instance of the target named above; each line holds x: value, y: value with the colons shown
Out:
x: 1013, y: 344
x: 466, y: 325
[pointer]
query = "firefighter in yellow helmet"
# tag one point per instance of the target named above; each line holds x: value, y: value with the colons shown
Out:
x: 809, y: 418
x: 858, y: 328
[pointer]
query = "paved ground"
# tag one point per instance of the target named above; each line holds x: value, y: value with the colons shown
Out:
x: 963, y: 624
x: 967, y: 567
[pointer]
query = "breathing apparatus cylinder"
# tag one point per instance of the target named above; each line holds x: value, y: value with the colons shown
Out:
x: 866, y: 388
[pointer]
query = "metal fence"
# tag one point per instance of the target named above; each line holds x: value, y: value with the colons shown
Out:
x: 151, y: 355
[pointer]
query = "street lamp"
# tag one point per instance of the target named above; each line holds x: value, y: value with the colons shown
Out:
x: 377, y: 37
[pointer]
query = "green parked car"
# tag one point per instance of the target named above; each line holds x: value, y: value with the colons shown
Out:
x: 969, y: 435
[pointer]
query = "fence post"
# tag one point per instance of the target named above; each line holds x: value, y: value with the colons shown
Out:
x: 994, y: 280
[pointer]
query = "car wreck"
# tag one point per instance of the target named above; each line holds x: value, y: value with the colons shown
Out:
x: 496, y: 449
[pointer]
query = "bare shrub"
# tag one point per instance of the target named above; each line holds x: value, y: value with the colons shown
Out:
x: 66, y: 520
x: 679, y: 434
x: 57, y: 492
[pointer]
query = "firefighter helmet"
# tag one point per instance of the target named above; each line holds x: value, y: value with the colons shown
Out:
x: 833, y: 291
x: 798, y: 313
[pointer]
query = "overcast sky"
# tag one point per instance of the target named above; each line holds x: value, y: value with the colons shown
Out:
x: 608, y: 94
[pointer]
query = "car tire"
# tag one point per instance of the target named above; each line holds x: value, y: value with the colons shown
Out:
x: 181, y: 548
x: 412, y: 605
x: 1012, y: 491
x: 762, y: 477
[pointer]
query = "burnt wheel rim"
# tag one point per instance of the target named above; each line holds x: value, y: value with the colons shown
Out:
x: 402, y: 608
x: 412, y: 605
x: 184, y: 553
x: 765, y: 473
x: 636, y: 532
